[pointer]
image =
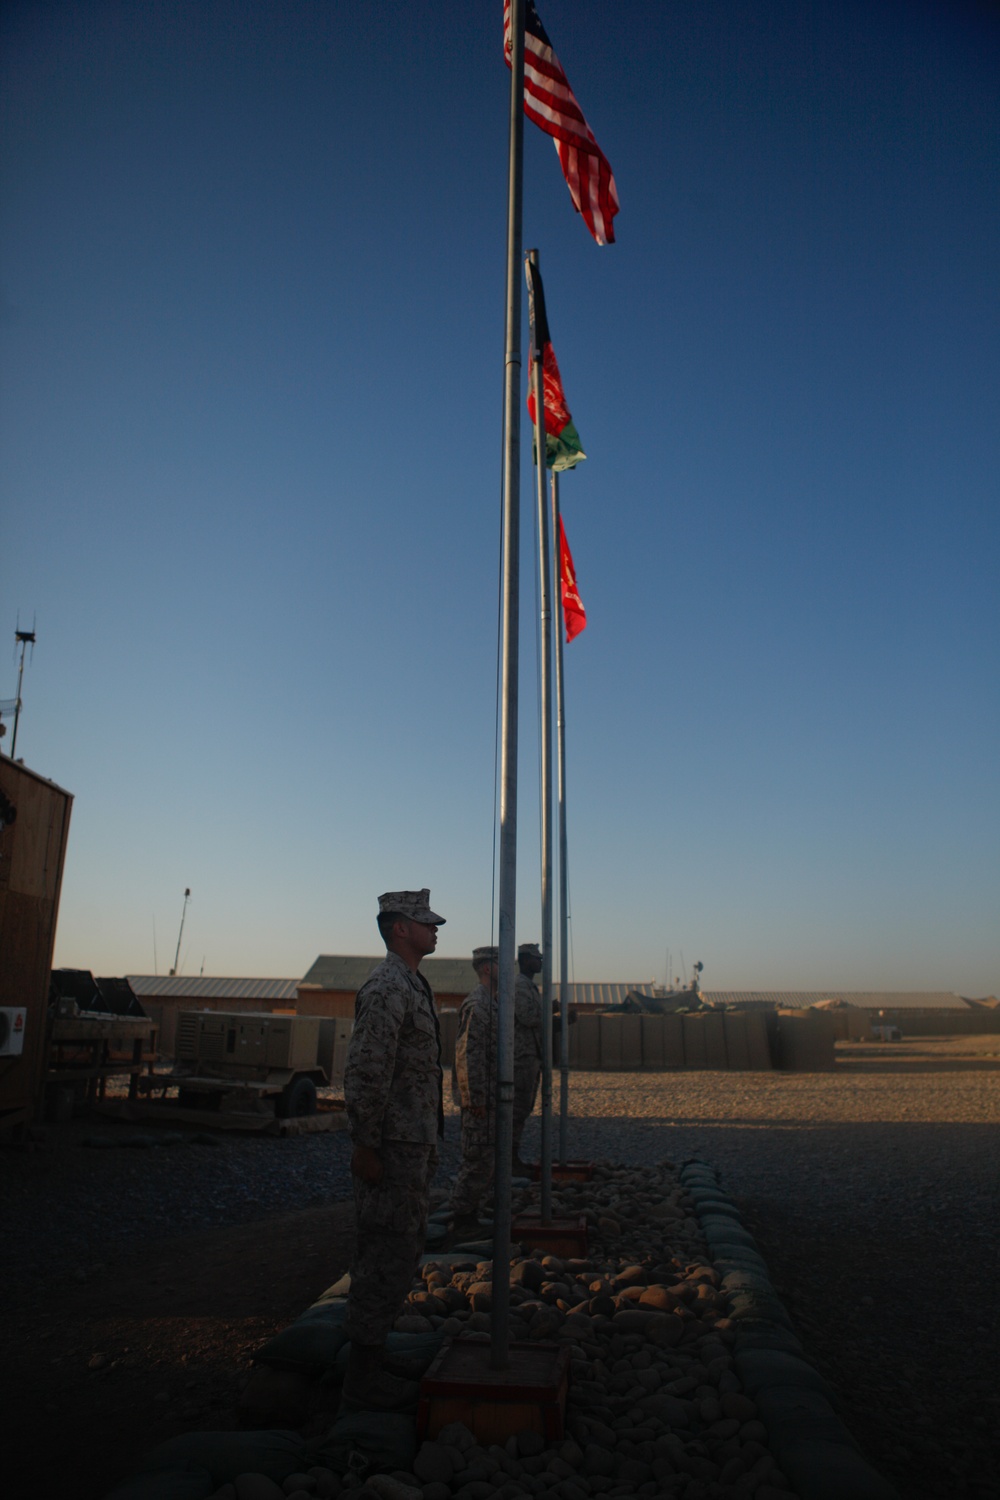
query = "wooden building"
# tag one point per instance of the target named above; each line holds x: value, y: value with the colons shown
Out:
x: 34, y: 828
x: 333, y: 981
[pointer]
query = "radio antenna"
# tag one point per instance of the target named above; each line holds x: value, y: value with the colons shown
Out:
x: 23, y: 638
x: 187, y: 898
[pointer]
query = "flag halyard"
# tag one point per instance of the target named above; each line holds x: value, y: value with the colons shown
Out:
x: 551, y: 104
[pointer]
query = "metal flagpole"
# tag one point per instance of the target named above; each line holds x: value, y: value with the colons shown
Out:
x: 500, y: 1302
x: 563, y: 876
x: 545, y: 654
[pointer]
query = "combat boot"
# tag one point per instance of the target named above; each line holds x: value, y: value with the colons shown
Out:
x: 367, y: 1387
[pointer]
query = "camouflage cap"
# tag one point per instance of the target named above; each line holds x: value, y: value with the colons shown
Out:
x: 412, y: 904
x: 529, y: 950
x: 484, y: 956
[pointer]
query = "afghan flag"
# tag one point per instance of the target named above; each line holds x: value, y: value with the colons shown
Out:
x: 574, y: 614
x: 562, y: 441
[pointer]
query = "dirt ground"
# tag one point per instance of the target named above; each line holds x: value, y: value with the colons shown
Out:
x: 97, y: 1373
x: 99, y: 1369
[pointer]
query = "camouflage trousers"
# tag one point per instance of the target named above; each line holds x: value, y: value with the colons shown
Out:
x: 526, y: 1076
x: 392, y: 1224
x: 475, y: 1174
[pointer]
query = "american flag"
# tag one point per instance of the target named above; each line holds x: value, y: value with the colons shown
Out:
x: 551, y: 103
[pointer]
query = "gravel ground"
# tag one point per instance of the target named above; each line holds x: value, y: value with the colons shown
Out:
x: 872, y: 1195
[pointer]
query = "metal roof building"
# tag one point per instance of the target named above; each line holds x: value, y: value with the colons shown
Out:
x: 333, y: 971
x: 182, y: 986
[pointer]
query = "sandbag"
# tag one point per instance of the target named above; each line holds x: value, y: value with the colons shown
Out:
x: 373, y: 1441
x: 417, y: 1349
x: 174, y: 1484
x: 225, y: 1455
x: 310, y: 1344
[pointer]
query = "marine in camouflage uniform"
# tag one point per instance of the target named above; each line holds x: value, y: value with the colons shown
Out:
x: 476, y: 1068
x: 392, y: 1091
x: 527, y: 1041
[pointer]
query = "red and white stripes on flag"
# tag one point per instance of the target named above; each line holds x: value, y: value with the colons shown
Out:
x: 550, y: 102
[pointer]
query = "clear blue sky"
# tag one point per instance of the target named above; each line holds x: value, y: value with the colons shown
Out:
x: 252, y: 274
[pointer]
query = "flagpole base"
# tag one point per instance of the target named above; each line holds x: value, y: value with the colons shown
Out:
x: 528, y: 1395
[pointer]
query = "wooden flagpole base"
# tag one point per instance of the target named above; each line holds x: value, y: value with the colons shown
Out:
x: 461, y: 1386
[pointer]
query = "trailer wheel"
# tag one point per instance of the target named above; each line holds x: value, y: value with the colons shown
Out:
x: 297, y: 1098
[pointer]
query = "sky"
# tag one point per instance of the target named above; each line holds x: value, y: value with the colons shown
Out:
x: 252, y: 271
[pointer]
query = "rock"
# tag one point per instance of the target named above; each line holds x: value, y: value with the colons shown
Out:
x: 598, y: 1460
x: 412, y: 1323
x: 299, y: 1482
x: 437, y: 1491
x: 735, y: 1404
x: 435, y: 1463
x: 529, y: 1274
x: 658, y: 1297
x: 257, y: 1487
x: 571, y: 1453
x: 386, y: 1488
x: 669, y: 1410
x: 476, y: 1489
x: 530, y: 1444
x: 326, y: 1484
x: 632, y: 1471
x: 456, y: 1435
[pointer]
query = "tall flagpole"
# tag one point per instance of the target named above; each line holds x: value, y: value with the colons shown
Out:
x: 545, y: 675
x: 502, y: 1218
x: 563, y: 876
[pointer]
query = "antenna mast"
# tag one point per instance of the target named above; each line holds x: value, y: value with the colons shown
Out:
x: 24, y: 638
x: 187, y: 898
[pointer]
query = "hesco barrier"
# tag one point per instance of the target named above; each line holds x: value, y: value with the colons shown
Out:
x: 737, y: 1041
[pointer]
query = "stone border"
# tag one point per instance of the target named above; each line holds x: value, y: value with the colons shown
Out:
x: 810, y: 1443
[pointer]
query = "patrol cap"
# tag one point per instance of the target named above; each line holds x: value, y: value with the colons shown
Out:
x: 529, y: 950
x: 412, y: 904
x: 484, y: 956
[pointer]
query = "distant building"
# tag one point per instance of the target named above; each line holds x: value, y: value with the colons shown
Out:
x: 331, y: 984
x: 333, y: 981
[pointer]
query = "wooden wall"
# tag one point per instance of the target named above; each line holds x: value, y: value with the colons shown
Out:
x: 32, y: 856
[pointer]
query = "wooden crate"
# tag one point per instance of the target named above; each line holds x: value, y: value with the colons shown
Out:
x: 565, y: 1237
x: 529, y: 1395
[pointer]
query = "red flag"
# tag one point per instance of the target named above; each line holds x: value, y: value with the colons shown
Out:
x: 550, y: 102
x: 574, y: 614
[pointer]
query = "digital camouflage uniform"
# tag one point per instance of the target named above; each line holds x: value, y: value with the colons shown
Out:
x: 392, y: 1090
x: 476, y: 1067
x: 527, y: 1053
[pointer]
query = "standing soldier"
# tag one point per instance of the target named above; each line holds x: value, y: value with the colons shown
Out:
x: 392, y: 1090
x: 527, y: 1044
x: 476, y: 1068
